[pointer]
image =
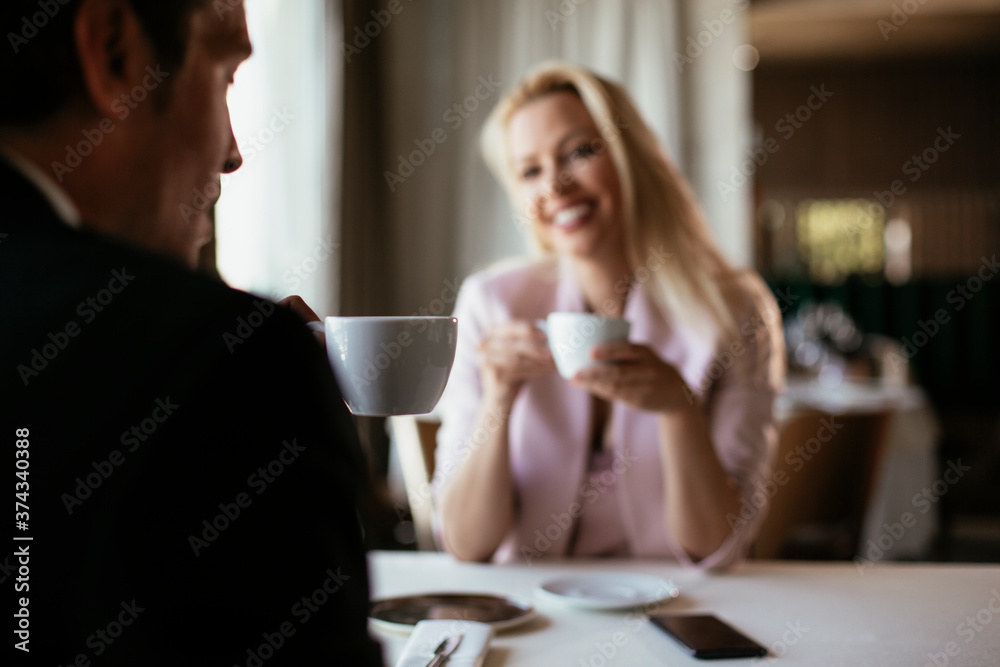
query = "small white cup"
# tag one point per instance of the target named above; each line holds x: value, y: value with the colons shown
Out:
x: 572, y: 336
x: 391, y: 365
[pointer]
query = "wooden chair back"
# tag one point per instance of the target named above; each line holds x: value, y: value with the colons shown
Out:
x: 416, y: 441
x: 822, y: 481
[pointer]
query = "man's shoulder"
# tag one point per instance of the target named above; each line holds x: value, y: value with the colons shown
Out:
x: 140, y: 314
x: 194, y: 308
x: 157, y: 285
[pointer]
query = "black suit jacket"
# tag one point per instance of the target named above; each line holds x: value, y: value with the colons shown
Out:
x: 192, y: 472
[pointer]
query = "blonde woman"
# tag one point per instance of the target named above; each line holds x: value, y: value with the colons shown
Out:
x: 664, y: 447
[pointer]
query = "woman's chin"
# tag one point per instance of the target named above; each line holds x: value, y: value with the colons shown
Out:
x: 578, y: 249
x: 581, y: 243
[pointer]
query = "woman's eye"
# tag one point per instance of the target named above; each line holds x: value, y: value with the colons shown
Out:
x: 585, y: 150
x: 529, y: 173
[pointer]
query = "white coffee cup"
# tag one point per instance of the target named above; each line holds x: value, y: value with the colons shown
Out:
x: 572, y: 336
x: 391, y: 365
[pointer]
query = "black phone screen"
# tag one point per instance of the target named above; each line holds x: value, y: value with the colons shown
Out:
x: 706, y: 636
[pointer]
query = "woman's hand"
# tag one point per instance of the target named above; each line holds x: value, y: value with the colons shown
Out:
x: 509, y: 354
x: 636, y: 375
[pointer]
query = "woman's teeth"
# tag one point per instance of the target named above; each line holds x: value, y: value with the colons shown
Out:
x: 568, y: 216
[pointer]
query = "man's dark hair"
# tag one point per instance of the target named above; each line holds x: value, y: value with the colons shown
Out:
x: 39, y: 69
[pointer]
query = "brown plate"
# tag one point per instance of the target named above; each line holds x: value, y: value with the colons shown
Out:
x: 402, y: 613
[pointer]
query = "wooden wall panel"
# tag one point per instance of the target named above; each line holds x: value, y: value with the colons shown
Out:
x: 865, y: 136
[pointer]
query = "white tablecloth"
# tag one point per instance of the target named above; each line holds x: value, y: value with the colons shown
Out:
x: 809, y: 614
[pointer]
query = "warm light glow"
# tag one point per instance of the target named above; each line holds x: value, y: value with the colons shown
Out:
x: 837, y: 238
x: 898, y: 251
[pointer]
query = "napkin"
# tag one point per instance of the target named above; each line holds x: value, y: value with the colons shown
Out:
x: 426, y: 636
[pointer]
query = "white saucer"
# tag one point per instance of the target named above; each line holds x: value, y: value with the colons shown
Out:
x: 609, y: 590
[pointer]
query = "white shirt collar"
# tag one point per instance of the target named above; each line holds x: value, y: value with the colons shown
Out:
x: 56, y: 196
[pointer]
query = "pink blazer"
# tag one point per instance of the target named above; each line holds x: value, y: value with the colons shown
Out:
x: 548, y: 427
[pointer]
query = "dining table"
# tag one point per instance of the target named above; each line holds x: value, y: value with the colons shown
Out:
x: 816, y: 614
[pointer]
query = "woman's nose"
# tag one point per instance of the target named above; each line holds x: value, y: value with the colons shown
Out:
x: 560, y: 180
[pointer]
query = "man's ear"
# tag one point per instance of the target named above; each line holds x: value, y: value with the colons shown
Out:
x: 113, y: 51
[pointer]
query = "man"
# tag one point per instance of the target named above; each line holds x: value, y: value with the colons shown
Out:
x: 185, y: 467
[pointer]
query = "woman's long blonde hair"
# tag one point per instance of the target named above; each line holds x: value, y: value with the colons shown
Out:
x: 658, y: 207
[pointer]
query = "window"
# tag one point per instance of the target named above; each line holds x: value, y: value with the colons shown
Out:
x: 273, y: 224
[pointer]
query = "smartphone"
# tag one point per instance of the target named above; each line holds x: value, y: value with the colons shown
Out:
x: 708, y: 637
